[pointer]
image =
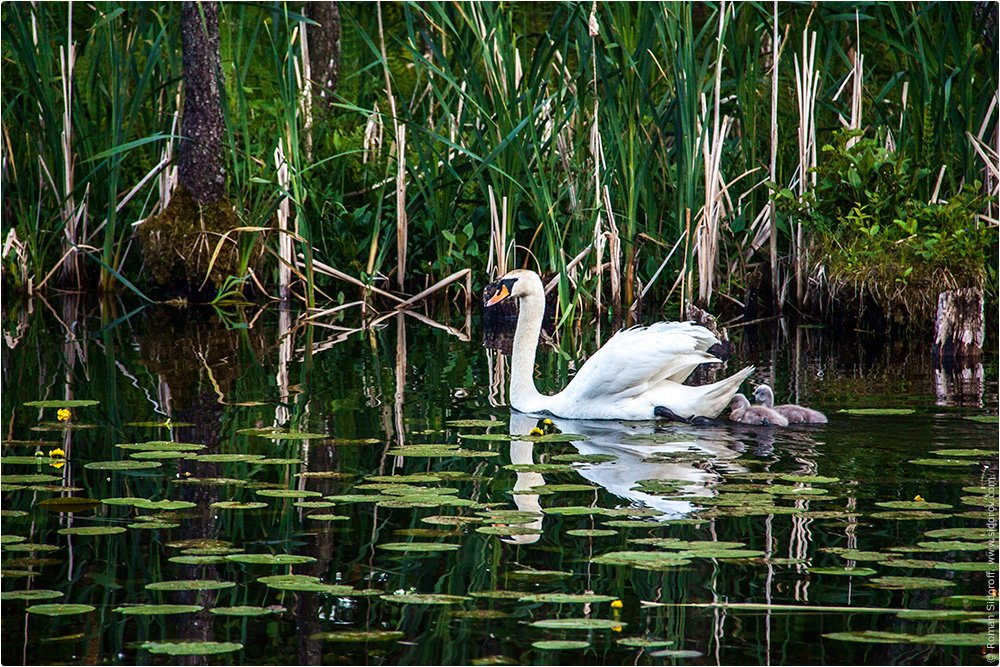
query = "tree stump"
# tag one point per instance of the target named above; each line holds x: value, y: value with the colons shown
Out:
x: 959, y: 328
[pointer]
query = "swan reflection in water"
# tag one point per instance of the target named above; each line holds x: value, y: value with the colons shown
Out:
x: 704, y: 449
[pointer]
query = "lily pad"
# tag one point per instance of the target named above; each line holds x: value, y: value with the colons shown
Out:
x: 644, y: 560
x: 191, y: 648
x: 508, y: 530
x: 122, y: 465
x: 439, y: 451
x: 33, y: 594
x: 163, y: 446
x: 487, y: 436
x: 440, y: 520
x: 28, y: 479
x: 227, y: 458
x: 964, y: 533
x: 538, y: 575
x: 418, y: 546
x: 585, y: 458
x: 510, y: 516
x: 79, y: 403
x: 843, y: 571
x: 951, y: 463
x: 197, y: 560
x: 560, y: 645
x: 287, y: 493
x: 909, y: 583
x: 161, y: 455
x: 979, y: 566
x: 937, y: 614
x: 547, y: 489
x: 980, y: 453
x: 189, y: 585
x: 270, y: 559
x: 60, y: 609
x: 421, y: 598
x: 953, y: 545
x: 913, y: 505
x: 577, y: 624
x: 591, y: 532
x: 811, y: 479
x: 567, y: 598
x: 158, y: 609
x: 30, y: 546
x: 644, y: 642
x: 92, y: 530
x: 984, y: 419
x: 69, y: 504
x: 328, y: 517
x: 234, y: 505
x: 908, y: 515
x: 246, y: 611
x: 474, y: 423
x: 359, y: 636
x: 294, y: 582
x: 676, y: 654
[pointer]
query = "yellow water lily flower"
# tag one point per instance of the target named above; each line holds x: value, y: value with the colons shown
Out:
x: 617, y: 604
x: 919, y: 498
x: 63, y: 414
x: 57, y: 453
x: 547, y: 422
x: 537, y: 431
x: 57, y: 464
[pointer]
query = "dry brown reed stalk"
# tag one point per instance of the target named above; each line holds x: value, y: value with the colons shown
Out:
x: 776, y: 44
x: 991, y: 163
x: 284, y: 240
x: 500, y: 248
x: 399, y: 132
x: 303, y: 77
x: 67, y: 63
x: 806, y: 86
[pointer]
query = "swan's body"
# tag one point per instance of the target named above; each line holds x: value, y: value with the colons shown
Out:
x: 795, y: 414
x: 636, y: 371
x: 755, y: 415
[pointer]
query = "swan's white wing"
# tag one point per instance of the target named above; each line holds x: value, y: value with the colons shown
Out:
x: 636, y: 359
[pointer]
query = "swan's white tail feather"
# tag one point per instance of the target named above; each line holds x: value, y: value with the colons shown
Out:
x: 717, y: 395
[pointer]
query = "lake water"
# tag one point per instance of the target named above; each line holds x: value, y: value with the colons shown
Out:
x: 422, y: 524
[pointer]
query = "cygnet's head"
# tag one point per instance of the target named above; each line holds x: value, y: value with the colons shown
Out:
x: 739, y: 401
x: 763, y: 394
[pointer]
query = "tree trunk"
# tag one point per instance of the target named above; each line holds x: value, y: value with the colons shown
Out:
x: 959, y: 328
x: 199, y: 158
x: 324, y: 49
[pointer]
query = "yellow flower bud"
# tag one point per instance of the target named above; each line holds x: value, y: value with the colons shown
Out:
x: 617, y: 604
x: 63, y: 414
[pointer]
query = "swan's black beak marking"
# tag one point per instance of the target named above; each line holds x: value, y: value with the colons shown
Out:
x: 503, y: 291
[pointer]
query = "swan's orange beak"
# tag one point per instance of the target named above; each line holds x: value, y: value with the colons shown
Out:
x: 499, y: 296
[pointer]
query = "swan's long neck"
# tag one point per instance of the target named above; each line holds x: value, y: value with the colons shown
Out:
x: 523, y: 394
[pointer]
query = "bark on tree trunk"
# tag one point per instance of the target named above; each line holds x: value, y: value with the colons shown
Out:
x: 199, y: 158
x: 959, y: 328
x: 324, y: 49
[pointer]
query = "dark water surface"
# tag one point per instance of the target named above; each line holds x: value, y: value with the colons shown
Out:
x: 795, y: 505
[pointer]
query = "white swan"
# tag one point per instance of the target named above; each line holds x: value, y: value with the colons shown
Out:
x: 756, y: 415
x: 795, y: 414
x: 637, y: 370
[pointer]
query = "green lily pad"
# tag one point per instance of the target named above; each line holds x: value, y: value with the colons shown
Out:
x: 421, y: 598
x: 856, y: 554
x: 474, y: 423
x: 189, y: 585
x: 539, y: 467
x: 33, y: 594
x: 878, y: 411
x: 913, y: 505
x: 325, y: 474
x: 270, y: 559
x: 79, y: 403
x: 785, y: 490
x: 353, y: 498
x: 578, y: 510
x: 294, y: 582
x: 913, y: 563
x: 964, y: 533
x: 234, y: 505
x: 547, y: 489
x: 909, y: 583
x: 197, y: 560
x: 287, y: 493
x: 811, y: 479
x: 644, y: 642
x: 12, y: 539
x: 553, y: 437
x: 228, y: 458
x: 30, y: 546
x: 161, y: 455
x: 440, y: 520
x: 644, y: 560
x: 559, y: 645
x: 984, y: 419
x: 479, y: 614
x: 843, y: 571
x: 328, y: 517
x: 979, y: 566
x: 567, y: 598
x: 952, y: 463
x: 191, y: 648
x: 246, y: 611
x: 629, y: 523
x: 163, y: 446
x: 359, y: 636
x: 28, y: 479
x: 577, y: 624
x: 675, y: 544
x: 953, y: 545
x: 585, y: 458
x: 487, y: 436
x: 60, y: 609
x: 158, y: 609
x: 153, y: 525
x: 676, y: 654
x: 965, y: 452
x: 436, y: 451
x: 937, y: 614
x: 510, y: 516
x: 24, y: 460
x: 508, y: 530
x: 92, y: 530
x: 498, y: 595
x: 908, y: 515
x: 591, y: 532
x: 122, y: 465
x: 979, y: 501
x: 418, y: 546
